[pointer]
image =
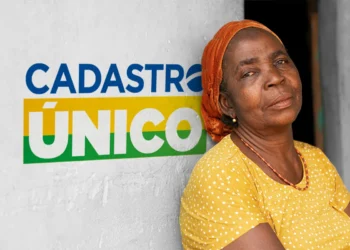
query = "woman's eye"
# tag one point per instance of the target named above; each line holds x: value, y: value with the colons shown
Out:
x: 250, y: 73
x: 281, y: 61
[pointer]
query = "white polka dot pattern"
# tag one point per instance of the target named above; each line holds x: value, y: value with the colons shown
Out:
x: 228, y: 194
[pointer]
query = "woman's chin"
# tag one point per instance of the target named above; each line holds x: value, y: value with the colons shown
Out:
x: 283, y: 118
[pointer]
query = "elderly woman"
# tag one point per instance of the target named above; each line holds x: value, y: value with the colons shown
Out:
x: 258, y: 188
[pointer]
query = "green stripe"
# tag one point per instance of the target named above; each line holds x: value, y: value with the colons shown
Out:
x: 90, y: 153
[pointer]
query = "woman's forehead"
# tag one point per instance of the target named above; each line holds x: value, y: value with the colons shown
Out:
x: 252, y: 42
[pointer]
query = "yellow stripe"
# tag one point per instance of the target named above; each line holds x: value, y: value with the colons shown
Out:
x: 133, y: 105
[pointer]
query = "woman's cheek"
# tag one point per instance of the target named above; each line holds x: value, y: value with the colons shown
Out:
x: 249, y: 99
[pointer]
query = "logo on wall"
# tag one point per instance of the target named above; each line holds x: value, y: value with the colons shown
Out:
x: 111, y: 117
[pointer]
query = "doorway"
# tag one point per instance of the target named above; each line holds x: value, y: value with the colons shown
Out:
x: 293, y: 21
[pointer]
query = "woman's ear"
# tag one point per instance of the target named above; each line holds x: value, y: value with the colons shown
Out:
x: 225, y: 104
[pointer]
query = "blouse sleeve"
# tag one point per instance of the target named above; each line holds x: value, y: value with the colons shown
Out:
x: 218, y: 205
x: 341, y: 196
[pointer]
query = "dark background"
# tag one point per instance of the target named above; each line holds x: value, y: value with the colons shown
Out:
x: 289, y: 20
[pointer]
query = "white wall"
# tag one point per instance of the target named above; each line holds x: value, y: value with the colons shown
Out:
x: 334, y: 38
x: 129, y: 203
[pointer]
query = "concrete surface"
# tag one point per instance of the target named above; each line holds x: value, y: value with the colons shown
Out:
x: 129, y: 203
x: 334, y: 39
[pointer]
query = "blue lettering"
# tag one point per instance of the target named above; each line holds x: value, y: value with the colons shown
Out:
x: 29, y: 78
x: 135, y: 78
x: 113, y: 71
x: 154, y: 68
x: 173, y: 80
x: 174, y: 75
x: 95, y: 85
x: 59, y: 83
x: 194, y: 84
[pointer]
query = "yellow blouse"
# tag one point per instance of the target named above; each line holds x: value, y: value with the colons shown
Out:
x: 228, y: 194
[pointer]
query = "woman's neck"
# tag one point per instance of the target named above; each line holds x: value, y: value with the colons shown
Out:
x: 278, y: 143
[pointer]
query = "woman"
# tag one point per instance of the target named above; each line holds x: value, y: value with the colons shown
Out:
x: 258, y: 188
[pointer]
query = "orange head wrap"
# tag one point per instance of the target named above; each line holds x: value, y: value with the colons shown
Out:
x: 212, y: 75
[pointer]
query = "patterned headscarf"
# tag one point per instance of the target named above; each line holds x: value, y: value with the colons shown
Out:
x: 212, y: 75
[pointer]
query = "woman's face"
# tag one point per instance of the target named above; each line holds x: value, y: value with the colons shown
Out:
x: 263, y: 85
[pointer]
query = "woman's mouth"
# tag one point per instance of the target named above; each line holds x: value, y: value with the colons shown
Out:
x: 282, y: 102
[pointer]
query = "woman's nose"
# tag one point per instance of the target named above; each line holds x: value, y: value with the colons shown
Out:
x: 273, y: 77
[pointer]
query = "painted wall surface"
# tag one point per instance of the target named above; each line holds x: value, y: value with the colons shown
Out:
x: 129, y: 60
x: 334, y: 38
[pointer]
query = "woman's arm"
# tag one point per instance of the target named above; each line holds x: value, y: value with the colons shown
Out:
x: 261, y: 237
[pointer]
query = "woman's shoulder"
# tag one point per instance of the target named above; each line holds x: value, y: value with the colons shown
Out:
x: 313, y: 154
x: 307, y: 148
x: 221, y: 154
x: 304, y: 145
x: 220, y: 164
